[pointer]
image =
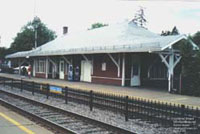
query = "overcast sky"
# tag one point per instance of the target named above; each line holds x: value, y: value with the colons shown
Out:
x: 78, y: 15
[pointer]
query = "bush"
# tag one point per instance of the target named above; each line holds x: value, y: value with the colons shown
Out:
x: 190, y: 70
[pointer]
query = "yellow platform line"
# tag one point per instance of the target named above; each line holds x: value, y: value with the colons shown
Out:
x: 17, y: 124
x: 110, y: 92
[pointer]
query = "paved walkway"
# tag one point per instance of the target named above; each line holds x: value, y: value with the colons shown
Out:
x: 13, y: 123
x: 145, y: 93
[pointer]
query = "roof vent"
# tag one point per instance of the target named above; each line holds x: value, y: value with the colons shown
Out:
x: 65, y: 30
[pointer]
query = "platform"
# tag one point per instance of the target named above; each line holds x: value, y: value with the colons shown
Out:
x: 145, y: 93
x: 13, y: 123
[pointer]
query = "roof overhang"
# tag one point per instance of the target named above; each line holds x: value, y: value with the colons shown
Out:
x: 183, y: 37
x: 120, y: 38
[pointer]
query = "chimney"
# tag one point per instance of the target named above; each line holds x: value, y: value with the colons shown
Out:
x: 65, y: 30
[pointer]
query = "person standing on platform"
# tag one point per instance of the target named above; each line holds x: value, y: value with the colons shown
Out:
x: 29, y: 71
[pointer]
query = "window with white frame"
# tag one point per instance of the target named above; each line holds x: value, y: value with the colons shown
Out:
x: 40, y: 66
x: 103, y: 68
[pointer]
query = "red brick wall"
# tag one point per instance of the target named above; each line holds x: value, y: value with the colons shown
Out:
x: 106, y: 81
x: 40, y: 75
x: 110, y: 75
x: 111, y: 69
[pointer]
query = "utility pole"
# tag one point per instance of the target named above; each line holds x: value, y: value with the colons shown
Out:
x: 35, y: 25
x: 35, y: 37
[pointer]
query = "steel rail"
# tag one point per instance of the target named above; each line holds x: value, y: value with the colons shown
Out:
x: 53, y: 124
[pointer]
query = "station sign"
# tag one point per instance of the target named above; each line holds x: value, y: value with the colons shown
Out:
x: 55, y: 89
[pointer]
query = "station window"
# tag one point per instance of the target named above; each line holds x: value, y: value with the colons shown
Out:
x: 103, y: 68
x: 40, y: 66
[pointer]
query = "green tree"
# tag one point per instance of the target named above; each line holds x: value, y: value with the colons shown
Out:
x: 196, y: 38
x: 166, y: 33
x: 97, y: 25
x: 3, y: 52
x: 173, y: 32
x: 140, y: 18
x: 26, y: 37
x: 190, y: 69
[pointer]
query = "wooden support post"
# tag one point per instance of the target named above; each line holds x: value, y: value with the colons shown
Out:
x: 123, y: 70
x: 171, y: 72
x: 85, y: 57
x: 66, y: 60
x: 20, y: 63
x: 47, y: 68
x: 171, y: 64
x: 54, y: 68
x: 119, y: 68
x: 20, y: 70
x: 34, y: 67
x: 117, y: 63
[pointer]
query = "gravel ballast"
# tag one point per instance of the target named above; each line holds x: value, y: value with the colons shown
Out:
x: 109, y: 117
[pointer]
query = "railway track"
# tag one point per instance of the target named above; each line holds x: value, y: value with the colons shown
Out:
x: 61, y: 120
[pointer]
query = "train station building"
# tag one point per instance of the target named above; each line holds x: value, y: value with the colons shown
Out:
x: 122, y: 54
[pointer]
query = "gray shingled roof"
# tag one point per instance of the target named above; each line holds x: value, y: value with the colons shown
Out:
x: 121, y: 37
